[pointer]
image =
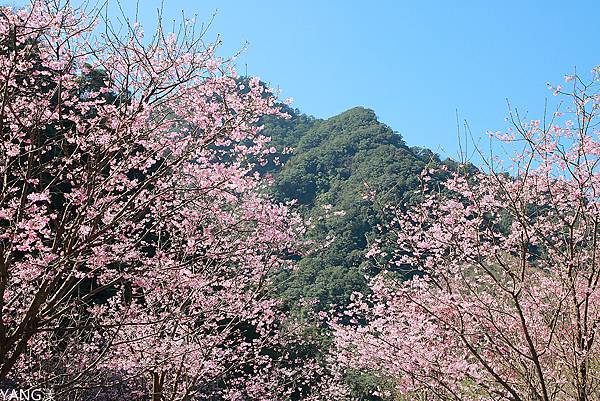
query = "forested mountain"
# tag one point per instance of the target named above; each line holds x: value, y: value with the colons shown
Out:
x: 335, y: 163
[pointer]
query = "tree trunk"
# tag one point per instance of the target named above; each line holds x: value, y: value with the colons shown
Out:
x: 157, y: 386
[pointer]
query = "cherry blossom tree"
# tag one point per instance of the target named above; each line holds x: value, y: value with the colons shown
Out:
x: 136, y: 242
x: 503, y: 302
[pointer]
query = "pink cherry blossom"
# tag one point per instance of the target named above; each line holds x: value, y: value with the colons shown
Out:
x: 503, y: 300
x: 136, y: 243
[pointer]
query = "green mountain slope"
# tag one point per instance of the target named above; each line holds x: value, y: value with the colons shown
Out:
x: 332, y: 163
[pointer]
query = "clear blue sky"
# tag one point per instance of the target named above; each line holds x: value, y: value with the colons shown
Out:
x: 413, y: 62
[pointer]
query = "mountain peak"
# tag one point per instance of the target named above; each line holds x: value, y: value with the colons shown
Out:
x: 358, y: 114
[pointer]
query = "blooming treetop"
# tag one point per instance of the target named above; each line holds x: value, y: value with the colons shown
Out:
x: 504, y: 303
x: 135, y: 244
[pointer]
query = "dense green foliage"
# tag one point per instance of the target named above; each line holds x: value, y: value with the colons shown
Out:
x: 338, y: 162
x: 332, y: 170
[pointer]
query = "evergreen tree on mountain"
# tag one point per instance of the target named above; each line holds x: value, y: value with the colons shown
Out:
x: 334, y: 165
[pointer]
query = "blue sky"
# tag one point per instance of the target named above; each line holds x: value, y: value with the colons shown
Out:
x: 414, y: 62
